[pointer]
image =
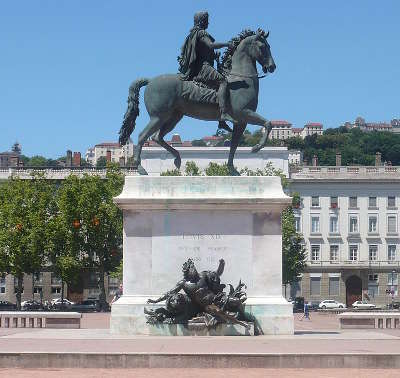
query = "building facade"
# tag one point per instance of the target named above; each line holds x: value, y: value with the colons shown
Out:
x: 156, y: 160
x: 112, y: 151
x: 349, y: 218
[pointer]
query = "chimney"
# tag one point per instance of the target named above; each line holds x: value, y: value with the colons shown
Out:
x: 315, y: 161
x: 108, y: 157
x: 77, y: 159
x: 378, y: 159
x: 68, y: 162
x: 338, y: 159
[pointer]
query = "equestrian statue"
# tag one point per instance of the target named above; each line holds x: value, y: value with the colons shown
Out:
x: 226, y: 94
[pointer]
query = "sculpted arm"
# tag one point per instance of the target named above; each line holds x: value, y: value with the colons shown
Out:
x: 221, y: 267
x: 175, y: 290
x: 214, y: 45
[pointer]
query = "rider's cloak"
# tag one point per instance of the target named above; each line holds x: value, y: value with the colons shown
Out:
x: 188, y: 65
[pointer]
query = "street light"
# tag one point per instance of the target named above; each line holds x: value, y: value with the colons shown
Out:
x: 392, y: 288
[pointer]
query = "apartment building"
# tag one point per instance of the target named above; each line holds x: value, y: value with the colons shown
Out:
x: 349, y: 218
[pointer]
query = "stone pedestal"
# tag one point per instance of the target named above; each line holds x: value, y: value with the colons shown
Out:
x: 169, y: 219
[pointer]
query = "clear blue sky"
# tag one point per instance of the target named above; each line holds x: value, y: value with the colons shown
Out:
x: 65, y: 66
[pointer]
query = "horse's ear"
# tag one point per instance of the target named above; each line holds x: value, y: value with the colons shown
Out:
x: 267, y: 35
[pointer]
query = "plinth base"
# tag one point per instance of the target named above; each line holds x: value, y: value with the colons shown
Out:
x: 273, y: 316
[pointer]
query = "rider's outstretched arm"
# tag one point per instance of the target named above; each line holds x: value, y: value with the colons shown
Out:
x: 214, y: 45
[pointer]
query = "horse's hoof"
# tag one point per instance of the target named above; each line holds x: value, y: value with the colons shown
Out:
x: 256, y: 148
x: 177, y: 162
x: 233, y: 171
x: 142, y: 171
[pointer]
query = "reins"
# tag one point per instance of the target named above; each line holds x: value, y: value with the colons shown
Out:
x: 258, y: 76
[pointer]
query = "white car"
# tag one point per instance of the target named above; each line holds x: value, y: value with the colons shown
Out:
x: 330, y: 303
x: 66, y: 302
x: 363, y: 304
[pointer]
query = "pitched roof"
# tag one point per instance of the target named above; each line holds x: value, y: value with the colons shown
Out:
x: 280, y: 122
x: 108, y: 144
x: 314, y: 124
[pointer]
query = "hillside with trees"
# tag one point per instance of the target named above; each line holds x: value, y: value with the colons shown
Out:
x: 357, y: 147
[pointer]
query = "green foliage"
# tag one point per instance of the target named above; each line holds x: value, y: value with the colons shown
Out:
x: 293, y: 251
x: 93, y: 222
x: 25, y: 206
x: 357, y: 147
x: 191, y: 169
x: 171, y: 172
x: 268, y: 170
x: 37, y: 161
x: 118, y: 272
x: 101, y: 162
x: 199, y: 143
x: 215, y: 169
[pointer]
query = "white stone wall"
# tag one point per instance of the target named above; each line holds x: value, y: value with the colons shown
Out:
x: 156, y: 160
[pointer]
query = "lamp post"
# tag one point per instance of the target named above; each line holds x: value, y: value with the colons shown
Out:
x: 392, y: 288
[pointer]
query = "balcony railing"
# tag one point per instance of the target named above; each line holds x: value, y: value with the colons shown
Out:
x: 390, y: 264
x: 366, y: 172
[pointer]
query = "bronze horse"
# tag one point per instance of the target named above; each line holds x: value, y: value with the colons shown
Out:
x: 168, y: 98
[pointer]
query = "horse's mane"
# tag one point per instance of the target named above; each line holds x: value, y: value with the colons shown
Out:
x: 226, y: 61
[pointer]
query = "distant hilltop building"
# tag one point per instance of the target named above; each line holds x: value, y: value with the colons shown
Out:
x: 283, y: 130
x: 175, y: 141
x: 112, y: 151
x: 393, y: 126
x: 11, y: 158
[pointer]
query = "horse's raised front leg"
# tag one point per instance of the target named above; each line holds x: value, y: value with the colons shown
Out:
x: 255, y: 119
x: 166, y: 128
x: 238, y: 130
x: 153, y: 126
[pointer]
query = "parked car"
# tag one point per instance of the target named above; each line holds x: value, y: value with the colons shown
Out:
x: 393, y: 306
x: 58, y: 304
x: 313, y: 305
x: 7, y: 306
x: 330, y: 303
x: 30, y: 305
x: 90, y: 305
x: 363, y: 305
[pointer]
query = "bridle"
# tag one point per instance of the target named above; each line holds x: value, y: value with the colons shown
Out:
x: 258, y: 76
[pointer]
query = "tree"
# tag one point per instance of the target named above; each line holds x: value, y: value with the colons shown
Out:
x: 94, y: 222
x: 37, y: 161
x: 199, y: 143
x: 293, y: 251
x: 171, y: 172
x: 24, y: 209
x: 101, y: 162
x: 215, y: 169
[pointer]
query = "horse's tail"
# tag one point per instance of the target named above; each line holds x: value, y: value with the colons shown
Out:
x: 128, y: 124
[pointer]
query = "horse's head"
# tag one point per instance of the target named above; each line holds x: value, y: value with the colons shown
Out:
x: 258, y: 48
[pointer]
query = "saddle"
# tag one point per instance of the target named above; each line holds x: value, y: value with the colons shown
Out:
x: 199, y: 92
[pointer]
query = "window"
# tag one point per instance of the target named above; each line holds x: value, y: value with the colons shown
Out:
x: 372, y: 202
x: 391, y: 253
x: 353, y: 253
x: 16, y: 285
x: 334, y: 253
x: 37, y: 290
x: 2, y: 285
x: 391, y: 224
x: 372, y: 223
x: 315, y: 201
x: 55, y: 280
x: 373, y: 253
x: 94, y: 278
x: 315, y: 225
x: 373, y: 288
x: 333, y: 225
x: 315, y: 285
x: 393, y: 282
x: 56, y: 290
x: 353, y: 223
x: 353, y: 202
x: 334, y: 284
x: 297, y: 224
x: 38, y: 278
x: 391, y: 202
x: 334, y: 202
x: 315, y: 253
